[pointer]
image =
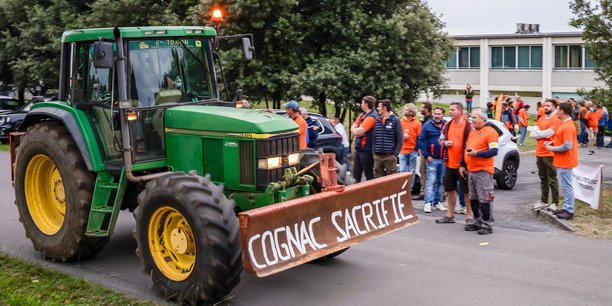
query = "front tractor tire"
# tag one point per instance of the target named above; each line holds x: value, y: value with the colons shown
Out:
x: 53, y: 192
x: 188, y: 238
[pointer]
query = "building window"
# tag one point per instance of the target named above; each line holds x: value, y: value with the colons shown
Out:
x: 573, y: 57
x: 464, y: 58
x: 516, y: 57
x: 589, y: 62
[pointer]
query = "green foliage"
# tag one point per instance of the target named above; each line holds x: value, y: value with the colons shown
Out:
x: 595, y: 19
x: 598, y: 95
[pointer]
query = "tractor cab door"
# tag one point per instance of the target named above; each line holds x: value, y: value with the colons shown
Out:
x: 93, y: 89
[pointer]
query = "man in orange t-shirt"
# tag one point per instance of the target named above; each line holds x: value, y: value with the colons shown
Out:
x: 452, y: 139
x: 523, y: 121
x: 565, y: 149
x: 479, y: 157
x: 544, y: 130
x: 363, y: 158
x: 411, y: 128
x: 293, y: 112
x: 592, y: 117
x: 540, y: 110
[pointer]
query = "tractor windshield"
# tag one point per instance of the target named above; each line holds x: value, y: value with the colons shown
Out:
x: 170, y: 70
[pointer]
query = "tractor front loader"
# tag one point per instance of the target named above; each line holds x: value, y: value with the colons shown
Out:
x: 214, y: 188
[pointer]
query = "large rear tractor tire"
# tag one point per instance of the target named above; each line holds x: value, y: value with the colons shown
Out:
x: 188, y: 238
x: 53, y: 192
x: 307, y: 158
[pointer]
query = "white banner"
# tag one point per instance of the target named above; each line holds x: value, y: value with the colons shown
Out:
x: 587, y: 184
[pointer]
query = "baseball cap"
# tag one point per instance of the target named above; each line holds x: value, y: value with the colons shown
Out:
x: 292, y: 104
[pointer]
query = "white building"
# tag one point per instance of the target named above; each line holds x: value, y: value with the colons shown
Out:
x: 534, y: 65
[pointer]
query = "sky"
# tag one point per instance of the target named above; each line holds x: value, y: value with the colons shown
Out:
x: 501, y: 16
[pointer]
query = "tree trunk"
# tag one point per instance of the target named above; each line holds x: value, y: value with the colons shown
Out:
x: 322, y: 108
x: 21, y: 95
x: 337, y: 110
x: 267, y: 104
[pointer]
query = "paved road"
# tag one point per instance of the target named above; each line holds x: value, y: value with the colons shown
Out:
x: 526, y: 262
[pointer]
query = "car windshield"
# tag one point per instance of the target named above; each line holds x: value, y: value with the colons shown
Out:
x: 9, y: 104
x: 175, y: 70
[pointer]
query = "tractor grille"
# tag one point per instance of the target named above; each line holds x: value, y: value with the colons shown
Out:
x: 246, y: 155
x: 278, y: 146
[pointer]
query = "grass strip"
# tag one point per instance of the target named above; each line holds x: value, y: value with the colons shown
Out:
x: 22, y: 283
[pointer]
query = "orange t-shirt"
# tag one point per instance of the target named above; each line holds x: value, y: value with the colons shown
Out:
x: 567, y: 159
x: 541, y: 111
x: 367, y: 124
x: 412, y: 129
x: 525, y: 116
x: 455, y: 134
x: 481, y: 140
x: 593, y: 118
x: 543, y: 124
x: 303, y: 128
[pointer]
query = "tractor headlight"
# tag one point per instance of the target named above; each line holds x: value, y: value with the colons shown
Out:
x: 293, y: 159
x: 270, y: 163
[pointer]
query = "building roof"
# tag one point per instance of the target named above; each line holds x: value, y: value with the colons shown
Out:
x: 517, y: 35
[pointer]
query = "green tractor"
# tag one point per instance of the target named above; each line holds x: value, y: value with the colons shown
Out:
x: 214, y: 188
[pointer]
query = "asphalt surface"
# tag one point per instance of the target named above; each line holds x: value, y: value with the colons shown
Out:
x: 524, y: 262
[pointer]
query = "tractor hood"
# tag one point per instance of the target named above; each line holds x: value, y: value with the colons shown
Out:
x: 226, y: 119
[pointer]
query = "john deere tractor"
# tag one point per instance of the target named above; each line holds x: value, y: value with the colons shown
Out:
x: 140, y: 126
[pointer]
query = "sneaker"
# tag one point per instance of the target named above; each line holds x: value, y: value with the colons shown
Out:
x: 590, y: 153
x: 461, y: 210
x: 440, y: 207
x: 485, y: 231
x: 446, y: 219
x: 539, y: 205
x: 427, y: 208
x: 552, y: 207
x: 472, y: 227
x: 565, y: 215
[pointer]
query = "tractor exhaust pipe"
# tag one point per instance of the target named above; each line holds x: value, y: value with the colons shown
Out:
x: 124, y: 105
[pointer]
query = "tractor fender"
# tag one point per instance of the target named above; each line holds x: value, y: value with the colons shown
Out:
x: 93, y: 161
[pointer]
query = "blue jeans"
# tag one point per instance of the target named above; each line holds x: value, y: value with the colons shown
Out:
x: 345, y: 158
x: 461, y: 194
x: 523, y: 131
x: 407, y: 163
x: 468, y: 106
x: 433, y: 186
x: 599, y: 140
x: 565, y: 178
x: 582, y: 136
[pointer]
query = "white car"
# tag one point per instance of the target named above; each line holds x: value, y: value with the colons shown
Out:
x: 507, y: 160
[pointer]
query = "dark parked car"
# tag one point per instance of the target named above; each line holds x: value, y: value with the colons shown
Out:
x: 8, y: 104
x: 10, y: 121
x: 329, y: 140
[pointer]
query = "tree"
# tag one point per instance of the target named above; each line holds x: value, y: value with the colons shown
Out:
x: 595, y: 19
x: 391, y: 49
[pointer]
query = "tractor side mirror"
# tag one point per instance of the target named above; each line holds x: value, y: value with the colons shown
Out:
x: 103, y: 54
x: 247, y: 48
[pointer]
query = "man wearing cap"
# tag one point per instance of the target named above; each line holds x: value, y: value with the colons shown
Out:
x: 363, y: 160
x: 293, y: 112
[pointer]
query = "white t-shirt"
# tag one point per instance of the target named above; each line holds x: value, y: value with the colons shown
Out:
x: 340, y: 129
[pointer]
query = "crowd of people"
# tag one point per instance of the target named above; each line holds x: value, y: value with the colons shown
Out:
x: 457, y: 156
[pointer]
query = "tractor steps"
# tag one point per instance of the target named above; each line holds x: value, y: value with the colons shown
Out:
x: 105, y: 204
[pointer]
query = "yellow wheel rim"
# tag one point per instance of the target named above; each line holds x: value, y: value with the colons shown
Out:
x: 45, y: 194
x: 171, y: 243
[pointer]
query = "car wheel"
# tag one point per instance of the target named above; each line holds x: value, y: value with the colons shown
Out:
x: 507, y: 179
